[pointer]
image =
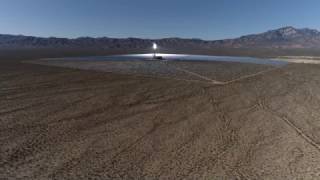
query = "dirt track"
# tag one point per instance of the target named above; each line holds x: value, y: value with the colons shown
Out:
x: 60, y: 123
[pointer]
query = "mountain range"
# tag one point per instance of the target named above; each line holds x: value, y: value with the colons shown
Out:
x: 283, y: 38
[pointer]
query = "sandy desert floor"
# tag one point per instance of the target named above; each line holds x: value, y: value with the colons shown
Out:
x: 64, y: 123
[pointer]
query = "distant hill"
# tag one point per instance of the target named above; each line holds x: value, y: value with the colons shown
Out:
x: 287, y: 37
x: 283, y: 38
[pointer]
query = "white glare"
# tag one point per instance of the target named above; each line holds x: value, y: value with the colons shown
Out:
x: 158, y: 54
x: 155, y: 46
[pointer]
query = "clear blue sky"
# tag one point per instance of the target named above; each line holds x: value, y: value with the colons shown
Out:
x: 206, y: 19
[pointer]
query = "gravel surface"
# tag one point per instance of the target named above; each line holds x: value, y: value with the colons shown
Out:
x: 218, y: 71
x: 63, y: 123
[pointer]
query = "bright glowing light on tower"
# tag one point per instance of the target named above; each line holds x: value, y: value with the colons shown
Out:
x: 154, y: 46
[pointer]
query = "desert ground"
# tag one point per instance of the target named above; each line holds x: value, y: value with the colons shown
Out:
x: 299, y: 59
x: 71, y: 120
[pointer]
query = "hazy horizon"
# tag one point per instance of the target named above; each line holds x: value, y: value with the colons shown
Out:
x: 207, y: 20
x: 148, y: 37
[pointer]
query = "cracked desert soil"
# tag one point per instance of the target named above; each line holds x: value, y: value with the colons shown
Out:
x: 62, y: 123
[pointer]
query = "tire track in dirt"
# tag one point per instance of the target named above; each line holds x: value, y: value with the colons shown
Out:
x: 226, y: 82
x: 226, y: 139
x: 307, y: 138
x: 28, y: 96
x: 2, y: 113
x: 36, y: 144
x: 250, y: 76
x: 303, y: 135
x: 158, y: 123
x: 155, y: 126
x: 70, y: 163
x: 198, y: 75
x: 65, y: 107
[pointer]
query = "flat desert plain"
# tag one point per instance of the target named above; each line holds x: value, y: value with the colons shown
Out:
x: 213, y: 120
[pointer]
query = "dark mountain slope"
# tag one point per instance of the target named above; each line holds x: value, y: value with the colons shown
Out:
x: 283, y: 41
